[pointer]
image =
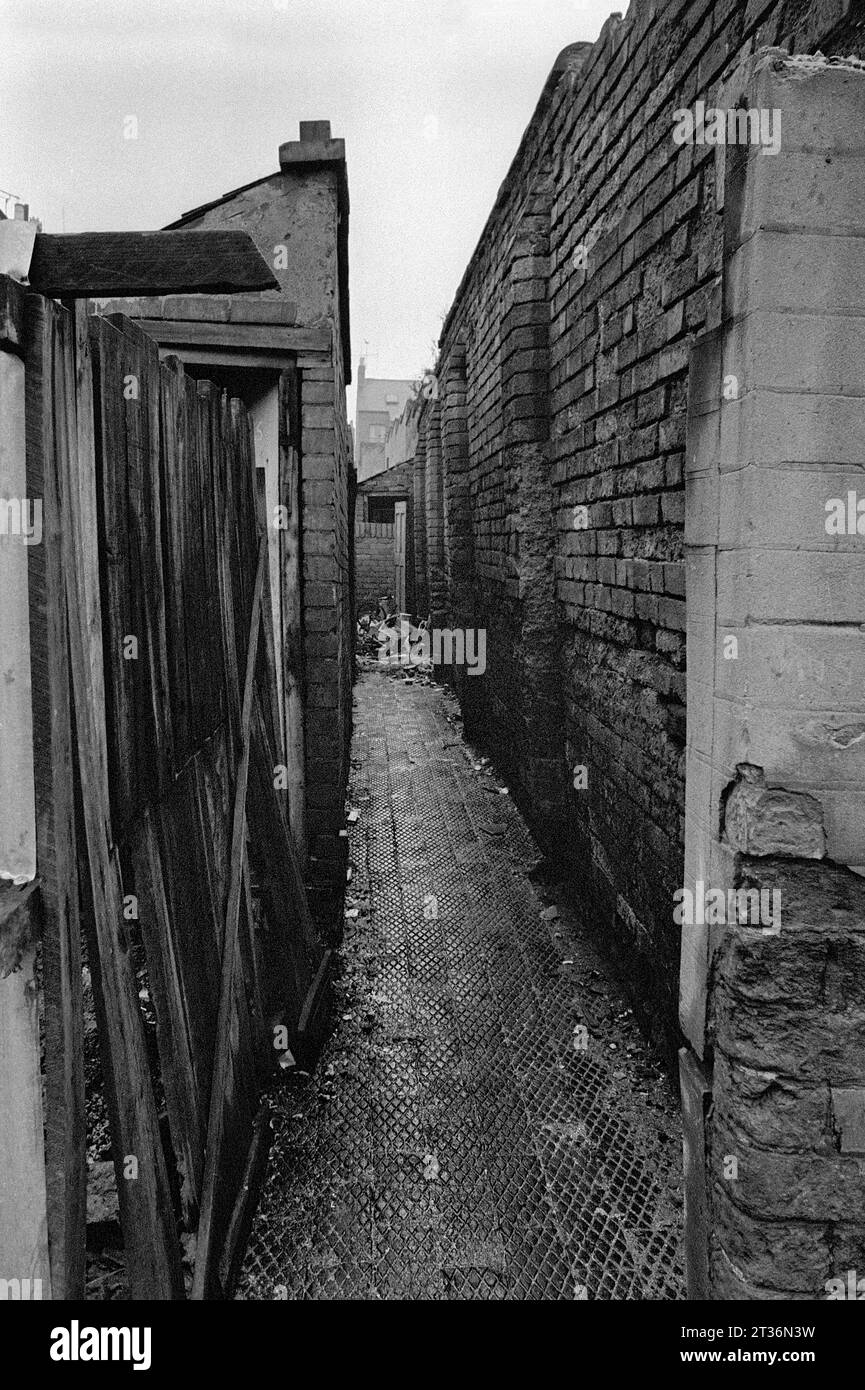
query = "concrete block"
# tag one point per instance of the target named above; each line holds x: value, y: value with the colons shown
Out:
x: 799, y: 190
x: 795, y: 667
x: 791, y: 271
x: 769, y: 428
x: 816, y: 353
x: 822, y: 108
x: 778, y: 508
x: 810, y: 586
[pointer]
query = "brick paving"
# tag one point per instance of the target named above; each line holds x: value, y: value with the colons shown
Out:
x: 462, y: 1138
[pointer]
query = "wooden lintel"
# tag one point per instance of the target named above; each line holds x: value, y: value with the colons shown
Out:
x: 264, y: 337
x: 99, y: 264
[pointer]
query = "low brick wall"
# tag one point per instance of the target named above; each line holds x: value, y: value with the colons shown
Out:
x: 374, y: 563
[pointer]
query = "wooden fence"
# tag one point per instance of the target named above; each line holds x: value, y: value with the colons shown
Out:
x: 162, y: 836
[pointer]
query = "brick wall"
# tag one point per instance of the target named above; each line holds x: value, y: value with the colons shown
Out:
x: 550, y: 473
x: 328, y: 479
x: 575, y: 368
x: 374, y: 562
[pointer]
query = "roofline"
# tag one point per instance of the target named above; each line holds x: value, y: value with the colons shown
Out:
x: 307, y: 155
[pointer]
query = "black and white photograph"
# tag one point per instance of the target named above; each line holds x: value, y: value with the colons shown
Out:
x: 432, y: 670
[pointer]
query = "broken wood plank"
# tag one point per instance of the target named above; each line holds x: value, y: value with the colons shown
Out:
x: 242, y: 1216
x: 291, y: 605
x: 102, y: 264
x: 173, y: 441
x: 159, y: 929
x: 313, y: 1016
x: 113, y: 557
x: 204, y: 1259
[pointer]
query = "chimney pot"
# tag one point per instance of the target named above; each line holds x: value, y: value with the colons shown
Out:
x: 314, y: 130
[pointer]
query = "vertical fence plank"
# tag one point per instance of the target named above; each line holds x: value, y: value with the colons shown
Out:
x: 291, y: 603
x: 150, y: 1238
x: 172, y: 454
x: 112, y: 558
x: 223, y: 1087
x: 180, y: 1072
x: 63, y: 1009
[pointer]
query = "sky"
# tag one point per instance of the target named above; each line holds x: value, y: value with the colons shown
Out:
x: 430, y: 96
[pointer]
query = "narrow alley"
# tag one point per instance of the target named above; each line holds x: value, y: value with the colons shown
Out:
x: 432, y: 705
x: 463, y: 1137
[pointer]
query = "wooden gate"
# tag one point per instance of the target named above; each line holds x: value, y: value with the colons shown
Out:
x: 163, y: 823
x: 399, y: 511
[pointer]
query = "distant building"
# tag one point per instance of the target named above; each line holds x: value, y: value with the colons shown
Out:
x: 380, y: 401
x: 384, y: 519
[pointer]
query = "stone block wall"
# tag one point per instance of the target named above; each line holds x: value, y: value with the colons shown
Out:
x: 776, y: 700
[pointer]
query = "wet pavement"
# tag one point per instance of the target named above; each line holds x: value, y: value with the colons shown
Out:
x: 486, y: 1121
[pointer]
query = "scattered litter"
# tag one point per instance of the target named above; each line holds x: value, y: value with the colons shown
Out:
x: 494, y: 828
x: 431, y: 1167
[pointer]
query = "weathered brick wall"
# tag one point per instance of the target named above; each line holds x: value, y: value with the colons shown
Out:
x: 374, y: 563
x: 328, y: 480
x: 575, y: 370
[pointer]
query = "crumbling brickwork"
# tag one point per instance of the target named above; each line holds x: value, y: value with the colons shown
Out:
x: 600, y: 263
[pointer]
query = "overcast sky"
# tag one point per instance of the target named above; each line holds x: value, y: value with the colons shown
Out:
x: 431, y: 97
